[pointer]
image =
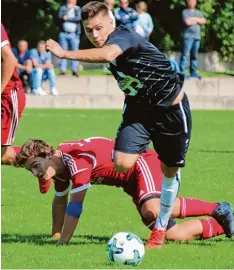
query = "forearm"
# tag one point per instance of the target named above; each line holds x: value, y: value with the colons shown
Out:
x: 191, y: 21
x: 19, y: 66
x: 69, y: 227
x: 201, y: 20
x: 89, y: 56
x: 8, y: 66
x: 58, y: 213
x: 134, y: 16
x: 37, y: 65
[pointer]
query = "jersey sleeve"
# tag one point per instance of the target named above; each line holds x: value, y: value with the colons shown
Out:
x: 123, y: 38
x: 81, y: 173
x: 4, y: 37
x: 44, y: 186
x: 185, y: 15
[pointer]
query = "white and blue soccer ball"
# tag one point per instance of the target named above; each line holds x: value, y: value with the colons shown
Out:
x: 125, y: 248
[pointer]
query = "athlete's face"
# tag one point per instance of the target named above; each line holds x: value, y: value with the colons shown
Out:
x: 41, y: 168
x: 98, y: 29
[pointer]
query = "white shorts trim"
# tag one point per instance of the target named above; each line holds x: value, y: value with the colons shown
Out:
x: 63, y: 193
x: 75, y: 190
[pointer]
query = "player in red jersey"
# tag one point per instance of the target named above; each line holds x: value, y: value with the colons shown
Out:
x: 12, y: 99
x: 89, y: 161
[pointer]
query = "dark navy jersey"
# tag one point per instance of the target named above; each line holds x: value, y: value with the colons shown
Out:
x: 142, y: 70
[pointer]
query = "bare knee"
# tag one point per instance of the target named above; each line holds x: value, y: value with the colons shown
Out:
x: 149, y: 216
x: 150, y: 211
x: 169, y: 171
x: 8, y: 155
x: 123, y: 161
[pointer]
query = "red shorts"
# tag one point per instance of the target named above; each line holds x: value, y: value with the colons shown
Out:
x: 13, y: 104
x: 148, y: 178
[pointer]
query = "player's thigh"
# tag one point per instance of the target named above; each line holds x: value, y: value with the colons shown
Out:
x: 12, y: 106
x: 124, y: 161
x: 171, y: 138
x: 132, y: 138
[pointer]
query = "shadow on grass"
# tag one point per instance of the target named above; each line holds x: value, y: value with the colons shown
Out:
x: 86, y: 239
x: 45, y: 239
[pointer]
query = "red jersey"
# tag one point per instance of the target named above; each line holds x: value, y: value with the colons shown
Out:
x: 14, y: 82
x: 90, y: 161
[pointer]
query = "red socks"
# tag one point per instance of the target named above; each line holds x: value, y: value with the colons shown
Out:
x: 211, y: 228
x: 193, y: 208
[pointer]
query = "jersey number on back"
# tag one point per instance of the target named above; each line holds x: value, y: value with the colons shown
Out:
x: 128, y: 84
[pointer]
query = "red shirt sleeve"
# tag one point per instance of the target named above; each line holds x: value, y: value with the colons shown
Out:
x: 4, y: 37
x: 81, y: 177
x: 44, y: 186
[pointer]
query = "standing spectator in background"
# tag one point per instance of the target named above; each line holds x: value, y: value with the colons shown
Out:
x: 144, y: 25
x: 69, y: 37
x: 24, y: 65
x: 125, y: 15
x: 193, y: 19
x: 43, y: 69
x: 110, y: 4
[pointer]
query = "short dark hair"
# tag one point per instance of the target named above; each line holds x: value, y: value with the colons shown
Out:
x: 93, y: 8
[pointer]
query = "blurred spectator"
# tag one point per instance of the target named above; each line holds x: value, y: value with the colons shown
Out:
x: 69, y: 37
x: 193, y: 19
x: 144, y: 25
x: 125, y: 15
x: 42, y: 70
x: 24, y: 65
x: 110, y: 4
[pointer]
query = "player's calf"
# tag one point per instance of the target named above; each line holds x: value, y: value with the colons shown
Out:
x: 186, y: 231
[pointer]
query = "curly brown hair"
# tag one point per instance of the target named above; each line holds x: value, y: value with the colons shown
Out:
x: 33, y: 148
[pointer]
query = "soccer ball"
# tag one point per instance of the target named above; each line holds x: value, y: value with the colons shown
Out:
x: 125, y: 248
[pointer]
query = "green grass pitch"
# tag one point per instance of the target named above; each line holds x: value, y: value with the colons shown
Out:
x: 26, y: 214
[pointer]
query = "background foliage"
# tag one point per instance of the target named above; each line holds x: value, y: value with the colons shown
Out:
x: 37, y: 19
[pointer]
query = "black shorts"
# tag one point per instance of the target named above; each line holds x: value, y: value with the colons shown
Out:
x: 168, y: 128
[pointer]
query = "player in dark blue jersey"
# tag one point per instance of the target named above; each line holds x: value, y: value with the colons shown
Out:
x: 156, y: 108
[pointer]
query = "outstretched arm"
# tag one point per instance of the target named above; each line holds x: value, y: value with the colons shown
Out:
x: 73, y: 212
x: 59, y: 206
x: 105, y: 54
